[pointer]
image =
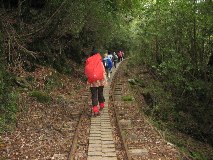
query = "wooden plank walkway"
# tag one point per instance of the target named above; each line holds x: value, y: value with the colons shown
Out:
x: 101, y: 143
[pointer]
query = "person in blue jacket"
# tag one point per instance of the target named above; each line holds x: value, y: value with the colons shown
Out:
x: 107, y: 64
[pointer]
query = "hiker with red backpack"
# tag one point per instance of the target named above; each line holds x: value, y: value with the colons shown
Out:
x: 96, y: 75
x: 120, y: 56
x: 122, y: 52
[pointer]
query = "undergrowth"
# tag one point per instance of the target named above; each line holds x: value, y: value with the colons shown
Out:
x: 8, y: 101
x: 41, y: 96
x: 52, y: 81
x: 8, y: 98
x: 181, y: 117
x: 128, y: 98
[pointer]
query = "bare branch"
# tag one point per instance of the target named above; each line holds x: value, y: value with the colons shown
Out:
x: 48, y: 21
x: 13, y: 38
x: 26, y: 50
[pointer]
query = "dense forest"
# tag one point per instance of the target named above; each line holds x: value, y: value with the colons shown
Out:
x: 173, y: 38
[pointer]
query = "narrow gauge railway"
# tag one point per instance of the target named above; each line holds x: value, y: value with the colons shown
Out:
x: 121, y: 132
x: 140, y: 140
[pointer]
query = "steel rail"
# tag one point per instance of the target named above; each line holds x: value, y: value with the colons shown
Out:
x: 74, y: 145
x: 121, y: 134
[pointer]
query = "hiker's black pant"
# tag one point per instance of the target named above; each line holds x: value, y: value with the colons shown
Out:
x: 115, y: 62
x: 119, y: 59
x: 97, y: 95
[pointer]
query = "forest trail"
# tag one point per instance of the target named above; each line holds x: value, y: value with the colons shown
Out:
x: 45, y: 130
x: 43, y: 92
x: 143, y: 140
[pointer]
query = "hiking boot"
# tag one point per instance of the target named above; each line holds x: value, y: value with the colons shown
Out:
x: 96, y: 111
x: 101, y: 105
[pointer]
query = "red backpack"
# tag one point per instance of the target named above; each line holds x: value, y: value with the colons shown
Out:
x: 94, y: 69
x: 119, y: 54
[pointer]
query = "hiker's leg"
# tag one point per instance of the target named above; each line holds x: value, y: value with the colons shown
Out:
x: 94, y: 92
x: 115, y: 64
x: 106, y: 70
x: 100, y: 94
x: 101, y: 99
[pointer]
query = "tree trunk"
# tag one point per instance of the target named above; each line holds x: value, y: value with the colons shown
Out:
x: 20, y: 14
x: 210, y: 63
x: 156, y: 56
x: 194, y: 38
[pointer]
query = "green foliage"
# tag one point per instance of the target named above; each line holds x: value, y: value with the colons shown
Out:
x: 30, y: 78
x: 8, y: 107
x: 41, y: 97
x: 160, y: 102
x: 60, y: 99
x: 175, y: 70
x: 8, y: 98
x: 128, y: 98
x: 197, y: 155
x: 53, y: 81
x: 199, y: 152
x: 55, y: 2
x: 174, y: 40
x: 170, y: 114
x: 192, y: 98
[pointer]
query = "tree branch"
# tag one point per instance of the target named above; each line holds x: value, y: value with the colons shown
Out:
x: 48, y: 21
x: 18, y: 44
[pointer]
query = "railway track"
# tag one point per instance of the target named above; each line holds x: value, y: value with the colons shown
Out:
x: 122, y: 132
x: 139, y: 138
x: 79, y: 145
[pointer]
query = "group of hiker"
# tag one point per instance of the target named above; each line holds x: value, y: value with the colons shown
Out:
x: 97, y: 70
x: 111, y: 59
